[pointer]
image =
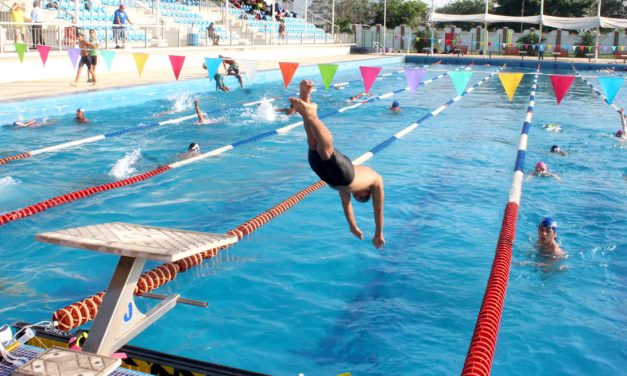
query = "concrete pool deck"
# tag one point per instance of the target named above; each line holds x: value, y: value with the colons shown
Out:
x: 162, y: 73
x: 158, y: 73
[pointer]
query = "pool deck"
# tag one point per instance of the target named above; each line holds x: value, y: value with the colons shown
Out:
x: 13, y: 91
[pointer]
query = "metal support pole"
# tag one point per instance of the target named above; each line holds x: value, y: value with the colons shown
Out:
x: 332, y: 20
x: 596, y: 43
x: 385, y: 10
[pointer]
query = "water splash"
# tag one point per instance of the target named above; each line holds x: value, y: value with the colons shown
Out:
x: 264, y: 112
x: 8, y: 181
x: 123, y: 168
x: 183, y: 102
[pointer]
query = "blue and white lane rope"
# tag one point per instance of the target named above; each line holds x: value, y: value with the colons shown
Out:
x: 483, y: 343
x: 88, y: 140
x: 516, y: 190
x: 369, y: 154
x: 289, y: 127
x: 615, y: 107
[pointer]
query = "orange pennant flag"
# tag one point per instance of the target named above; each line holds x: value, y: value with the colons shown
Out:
x: 177, y: 64
x: 140, y: 61
x: 288, y: 70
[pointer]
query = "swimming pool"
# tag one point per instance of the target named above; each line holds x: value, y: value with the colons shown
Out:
x: 301, y: 294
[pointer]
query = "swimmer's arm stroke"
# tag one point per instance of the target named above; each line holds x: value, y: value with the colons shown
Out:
x: 377, y: 207
x: 348, y: 213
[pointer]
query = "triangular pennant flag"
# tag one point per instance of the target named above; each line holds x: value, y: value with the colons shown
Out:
x: 460, y: 80
x: 20, y: 48
x: 614, y: 48
x: 561, y: 84
x: 589, y: 48
x: 74, y: 53
x: 288, y: 70
x: 610, y: 86
x: 368, y: 75
x: 140, y: 61
x: 510, y: 82
x: 250, y: 67
x: 177, y: 64
x: 212, y: 64
x: 327, y: 72
x: 414, y: 77
x: 43, y: 53
x: 108, y: 57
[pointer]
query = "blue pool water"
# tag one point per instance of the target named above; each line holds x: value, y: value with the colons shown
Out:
x: 302, y: 294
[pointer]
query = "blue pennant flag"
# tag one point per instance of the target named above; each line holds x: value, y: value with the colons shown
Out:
x: 610, y: 86
x: 460, y: 80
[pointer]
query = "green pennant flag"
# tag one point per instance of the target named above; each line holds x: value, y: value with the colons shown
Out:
x: 108, y: 57
x: 327, y: 71
x: 20, y: 48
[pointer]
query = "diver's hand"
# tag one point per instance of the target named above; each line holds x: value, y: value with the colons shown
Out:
x: 357, y: 232
x: 378, y: 241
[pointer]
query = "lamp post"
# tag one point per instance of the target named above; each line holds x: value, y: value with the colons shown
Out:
x: 522, y: 13
x: 333, y: 20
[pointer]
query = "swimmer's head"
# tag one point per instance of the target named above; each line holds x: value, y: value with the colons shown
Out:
x: 16, y: 123
x: 541, y: 167
x: 620, y: 133
x: 549, y: 223
x: 80, y: 111
x: 362, y: 196
x: 555, y: 149
x: 193, y: 147
x: 220, y: 56
x: 396, y: 104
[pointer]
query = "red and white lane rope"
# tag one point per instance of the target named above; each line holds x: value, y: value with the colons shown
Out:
x: 483, y: 342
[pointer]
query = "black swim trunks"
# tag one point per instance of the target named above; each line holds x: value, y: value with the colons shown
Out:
x: 336, y: 171
x: 85, y: 60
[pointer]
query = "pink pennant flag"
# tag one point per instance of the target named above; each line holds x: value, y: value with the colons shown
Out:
x: 177, y: 64
x: 73, y: 53
x: 414, y: 77
x: 561, y: 84
x: 368, y: 75
x: 43, y: 53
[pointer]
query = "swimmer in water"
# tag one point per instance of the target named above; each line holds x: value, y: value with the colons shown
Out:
x: 193, y: 150
x: 396, y: 106
x: 542, y: 170
x: 360, y: 96
x: 547, y: 236
x: 552, y: 127
x: 287, y: 111
x: 622, y: 133
x: 80, y: 116
x: 201, y: 119
x: 556, y: 150
x: 33, y: 123
x: 340, y: 86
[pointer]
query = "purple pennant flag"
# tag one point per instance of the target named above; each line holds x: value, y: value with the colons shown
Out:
x: 414, y: 77
x: 74, y: 53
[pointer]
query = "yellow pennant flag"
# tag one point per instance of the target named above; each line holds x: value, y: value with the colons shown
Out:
x: 510, y: 82
x: 140, y: 61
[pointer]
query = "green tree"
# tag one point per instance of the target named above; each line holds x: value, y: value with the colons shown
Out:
x: 399, y: 12
x: 585, y: 40
x: 559, y: 8
x: 354, y: 11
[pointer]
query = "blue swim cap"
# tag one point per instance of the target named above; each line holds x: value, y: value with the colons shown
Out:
x: 80, y: 110
x: 395, y: 104
x: 549, y: 223
x: 555, y: 149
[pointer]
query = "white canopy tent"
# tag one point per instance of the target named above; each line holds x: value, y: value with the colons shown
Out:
x: 565, y: 23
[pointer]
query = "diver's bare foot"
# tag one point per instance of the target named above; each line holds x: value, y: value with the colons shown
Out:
x: 306, y: 86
